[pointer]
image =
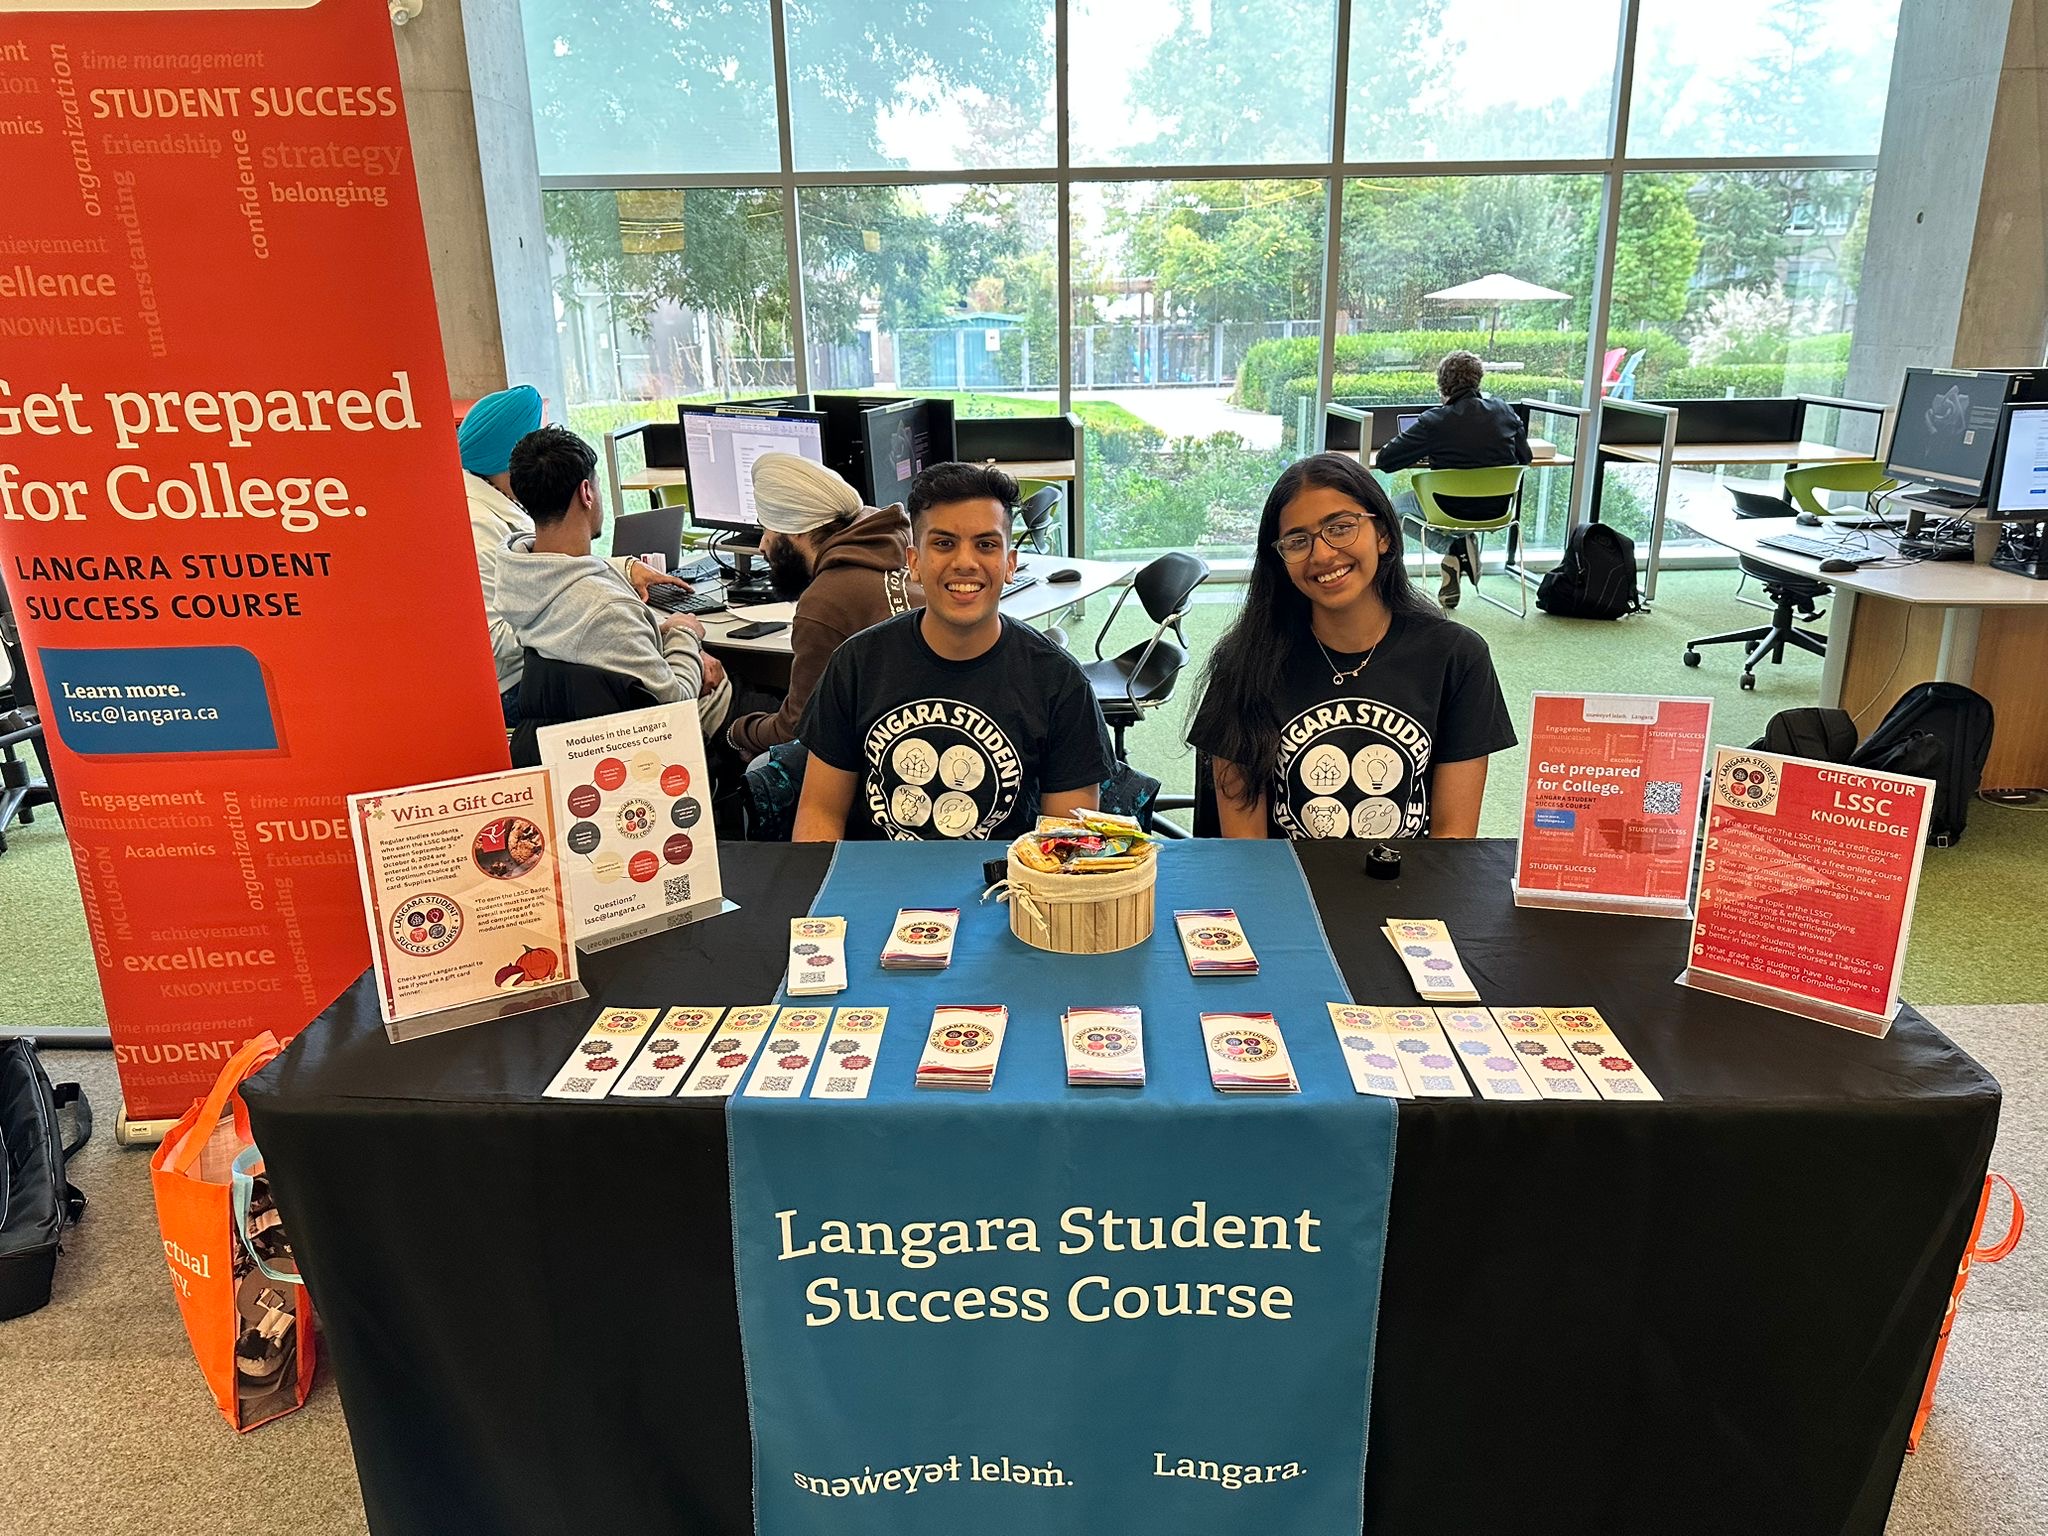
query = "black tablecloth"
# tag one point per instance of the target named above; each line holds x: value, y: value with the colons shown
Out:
x: 1712, y: 1315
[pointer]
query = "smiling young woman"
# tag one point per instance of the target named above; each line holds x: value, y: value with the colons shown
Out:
x: 1341, y: 703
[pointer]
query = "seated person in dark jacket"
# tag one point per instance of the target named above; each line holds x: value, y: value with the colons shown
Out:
x: 1468, y: 431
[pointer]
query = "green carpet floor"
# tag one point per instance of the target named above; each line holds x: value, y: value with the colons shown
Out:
x: 1975, y: 936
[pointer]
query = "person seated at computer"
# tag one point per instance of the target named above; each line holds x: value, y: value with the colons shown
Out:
x: 1340, y: 703
x: 1469, y: 430
x: 841, y: 562
x: 951, y: 721
x: 484, y: 442
x: 564, y: 602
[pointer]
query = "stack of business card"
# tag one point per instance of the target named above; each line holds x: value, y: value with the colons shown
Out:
x: 1371, y: 1055
x: 1433, y: 965
x: 1545, y: 1057
x: 791, y: 1050
x: 1105, y: 1047
x: 1247, y: 1054
x: 732, y: 1046
x: 921, y: 940
x: 1599, y: 1053
x: 1213, y: 940
x: 664, y: 1061
x: 963, y: 1047
x: 850, y: 1054
x: 594, y: 1065
x: 817, y: 956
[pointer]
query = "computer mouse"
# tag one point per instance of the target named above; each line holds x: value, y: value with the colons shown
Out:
x: 1065, y: 573
x: 1836, y: 566
x: 1807, y: 520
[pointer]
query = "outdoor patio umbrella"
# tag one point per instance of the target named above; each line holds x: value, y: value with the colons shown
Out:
x: 1495, y: 289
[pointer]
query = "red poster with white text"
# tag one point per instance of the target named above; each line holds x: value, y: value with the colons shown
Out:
x: 1807, y: 883
x: 232, y: 525
x: 1611, y: 801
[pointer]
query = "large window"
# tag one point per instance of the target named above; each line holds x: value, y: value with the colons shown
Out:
x: 890, y: 201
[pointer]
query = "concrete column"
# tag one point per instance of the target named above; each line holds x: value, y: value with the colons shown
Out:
x: 463, y: 67
x: 1955, y: 272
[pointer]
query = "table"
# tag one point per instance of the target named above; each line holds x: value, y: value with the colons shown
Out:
x: 1894, y: 626
x: 1710, y: 1315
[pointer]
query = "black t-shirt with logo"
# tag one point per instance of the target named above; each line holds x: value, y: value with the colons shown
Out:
x: 958, y: 749
x: 1357, y: 758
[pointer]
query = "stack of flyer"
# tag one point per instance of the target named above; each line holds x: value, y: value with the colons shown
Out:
x: 922, y: 939
x: 962, y: 1049
x: 817, y: 956
x: 1433, y: 965
x: 1247, y: 1054
x: 1105, y: 1047
x: 1213, y: 940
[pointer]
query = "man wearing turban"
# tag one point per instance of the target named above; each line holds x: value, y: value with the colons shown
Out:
x: 843, y: 563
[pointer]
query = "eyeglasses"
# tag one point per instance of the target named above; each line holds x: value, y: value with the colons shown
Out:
x: 1339, y: 532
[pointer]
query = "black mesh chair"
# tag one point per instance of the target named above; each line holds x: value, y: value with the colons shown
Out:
x: 1142, y: 678
x: 552, y: 691
x: 1755, y: 504
x: 1788, y: 592
x: 1037, y: 516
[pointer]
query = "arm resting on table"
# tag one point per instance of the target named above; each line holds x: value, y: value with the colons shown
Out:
x: 1454, y: 798
x: 1235, y: 817
x: 827, y: 797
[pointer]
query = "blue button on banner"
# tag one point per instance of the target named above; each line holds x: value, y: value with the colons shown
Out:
x: 157, y: 699
x: 1563, y: 820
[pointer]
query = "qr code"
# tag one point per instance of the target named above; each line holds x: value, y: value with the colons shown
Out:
x: 840, y: 1085
x: 776, y: 1082
x: 674, y: 889
x: 579, y: 1084
x: 1626, y: 1085
x: 1662, y: 797
x: 716, y: 1082
x: 646, y: 1082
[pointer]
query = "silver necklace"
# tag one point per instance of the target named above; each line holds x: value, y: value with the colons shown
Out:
x: 1338, y: 675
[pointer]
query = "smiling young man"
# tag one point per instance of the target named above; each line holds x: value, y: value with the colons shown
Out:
x: 951, y: 721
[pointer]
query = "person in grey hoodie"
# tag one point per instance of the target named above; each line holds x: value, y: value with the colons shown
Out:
x: 564, y: 602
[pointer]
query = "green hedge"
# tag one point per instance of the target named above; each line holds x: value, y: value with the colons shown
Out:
x: 1751, y: 381
x: 1269, y: 366
x: 1831, y: 348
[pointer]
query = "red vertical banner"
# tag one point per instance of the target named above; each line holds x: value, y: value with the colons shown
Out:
x: 231, y: 518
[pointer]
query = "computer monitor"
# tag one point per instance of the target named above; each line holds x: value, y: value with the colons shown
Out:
x: 721, y: 443
x: 1946, y: 425
x: 661, y: 442
x: 2017, y: 491
x: 898, y: 443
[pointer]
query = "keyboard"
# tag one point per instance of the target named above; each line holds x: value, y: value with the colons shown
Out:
x: 1814, y: 548
x: 676, y: 600
x: 707, y: 569
x: 1019, y: 585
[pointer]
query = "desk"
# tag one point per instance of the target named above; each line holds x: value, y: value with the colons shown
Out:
x: 1719, y: 1309
x: 1893, y: 626
x: 1699, y: 434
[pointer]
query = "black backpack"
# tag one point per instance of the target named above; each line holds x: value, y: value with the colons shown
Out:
x: 1824, y: 735
x: 1938, y: 731
x: 36, y: 1201
x: 1595, y: 580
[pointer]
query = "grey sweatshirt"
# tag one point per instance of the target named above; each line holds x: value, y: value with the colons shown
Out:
x: 579, y: 608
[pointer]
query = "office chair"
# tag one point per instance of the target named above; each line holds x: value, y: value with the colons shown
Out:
x: 1862, y: 477
x: 1788, y: 591
x: 1755, y: 504
x: 21, y: 725
x: 1142, y: 678
x: 1036, y: 517
x: 1205, y: 820
x: 1476, y: 502
x: 552, y: 691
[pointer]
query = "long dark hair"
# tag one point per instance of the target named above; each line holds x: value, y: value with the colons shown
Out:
x: 1242, y: 685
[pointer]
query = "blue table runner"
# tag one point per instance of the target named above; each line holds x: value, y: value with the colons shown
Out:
x: 1207, y: 1384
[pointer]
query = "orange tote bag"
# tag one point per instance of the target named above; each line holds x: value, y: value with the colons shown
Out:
x: 252, y: 1334
x: 1976, y: 1253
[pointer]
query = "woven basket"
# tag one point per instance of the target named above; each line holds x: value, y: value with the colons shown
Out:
x: 1082, y: 914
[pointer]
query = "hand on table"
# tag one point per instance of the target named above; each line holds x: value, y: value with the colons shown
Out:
x: 645, y: 577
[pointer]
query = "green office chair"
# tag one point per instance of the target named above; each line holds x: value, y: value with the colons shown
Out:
x: 1858, y: 476
x: 1476, y: 501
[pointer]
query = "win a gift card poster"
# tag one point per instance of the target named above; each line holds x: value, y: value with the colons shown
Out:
x: 462, y: 884
x: 634, y: 799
